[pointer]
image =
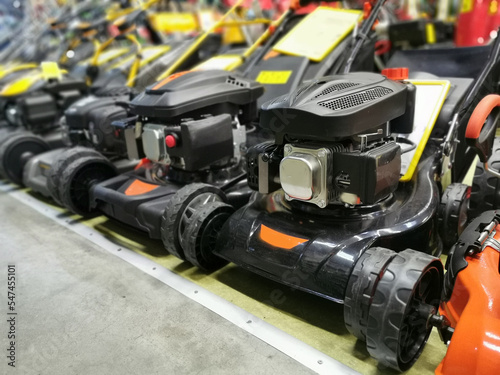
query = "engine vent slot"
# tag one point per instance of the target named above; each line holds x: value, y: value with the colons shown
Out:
x: 354, y: 100
x: 337, y: 87
x: 236, y: 82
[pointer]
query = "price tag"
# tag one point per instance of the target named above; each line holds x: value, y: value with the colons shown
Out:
x: 274, y: 77
x: 224, y: 62
x: 319, y: 33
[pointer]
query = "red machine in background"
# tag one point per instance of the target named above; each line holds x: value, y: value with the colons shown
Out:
x: 473, y: 304
x: 471, y: 296
x: 477, y: 22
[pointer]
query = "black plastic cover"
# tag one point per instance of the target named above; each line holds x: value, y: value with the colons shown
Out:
x: 77, y: 116
x: 404, y: 124
x: 335, y: 107
x: 373, y: 175
x: 101, y: 131
x: 204, y: 142
x: 217, y: 91
x: 38, y: 109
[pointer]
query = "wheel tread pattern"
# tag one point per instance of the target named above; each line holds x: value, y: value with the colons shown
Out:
x: 170, y: 218
x: 389, y: 306
x: 361, y: 287
x: 485, y: 194
x: 65, y: 159
x: 7, y: 146
x: 69, y: 173
x: 448, y: 213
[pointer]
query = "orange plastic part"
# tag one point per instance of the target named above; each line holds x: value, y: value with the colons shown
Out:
x: 278, y: 239
x: 139, y: 187
x: 480, y: 114
x: 474, y: 312
x: 168, y: 79
x: 144, y: 162
x: 396, y: 74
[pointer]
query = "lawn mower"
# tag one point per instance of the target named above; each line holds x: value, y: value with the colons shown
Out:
x: 193, y: 128
x: 68, y: 39
x: 41, y: 109
x: 110, y: 63
x: 353, y: 207
x: 88, y: 122
x: 470, y: 311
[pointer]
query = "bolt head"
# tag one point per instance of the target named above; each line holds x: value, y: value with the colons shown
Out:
x: 322, y: 203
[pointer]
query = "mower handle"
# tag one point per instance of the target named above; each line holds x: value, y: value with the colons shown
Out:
x: 481, y: 129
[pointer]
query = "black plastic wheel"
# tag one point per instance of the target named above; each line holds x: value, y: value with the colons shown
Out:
x: 15, y: 153
x: 77, y: 179
x: 409, y: 289
x: 201, y: 235
x: 361, y: 287
x: 452, y: 213
x: 57, y: 168
x: 179, y: 210
x: 485, y: 193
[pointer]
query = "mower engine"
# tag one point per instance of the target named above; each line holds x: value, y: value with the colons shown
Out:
x: 194, y: 121
x: 333, y: 140
x: 88, y: 121
x: 40, y: 107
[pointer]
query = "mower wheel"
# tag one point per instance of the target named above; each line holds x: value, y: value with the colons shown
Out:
x: 15, y: 153
x: 77, y: 179
x: 407, y: 294
x: 361, y: 287
x: 179, y: 210
x: 56, y: 170
x: 485, y: 194
x: 452, y: 213
x: 201, y: 235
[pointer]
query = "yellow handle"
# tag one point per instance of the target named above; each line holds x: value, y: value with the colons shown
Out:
x: 265, y: 35
x: 137, y: 61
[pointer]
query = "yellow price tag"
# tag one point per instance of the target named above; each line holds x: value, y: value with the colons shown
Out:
x: 50, y: 70
x: 223, y: 62
x: 467, y: 6
x: 319, y: 33
x: 274, y: 77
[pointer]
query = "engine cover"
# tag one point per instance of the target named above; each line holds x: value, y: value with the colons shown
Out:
x: 192, y: 94
x: 335, y: 108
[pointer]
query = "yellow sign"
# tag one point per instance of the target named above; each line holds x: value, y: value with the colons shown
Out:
x: 429, y: 100
x: 467, y: 6
x: 50, y: 70
x: 167, y: 22
x: 430, y: 32
x: 274, y: 77
x: 319, y: 33
x: 223, y: 62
